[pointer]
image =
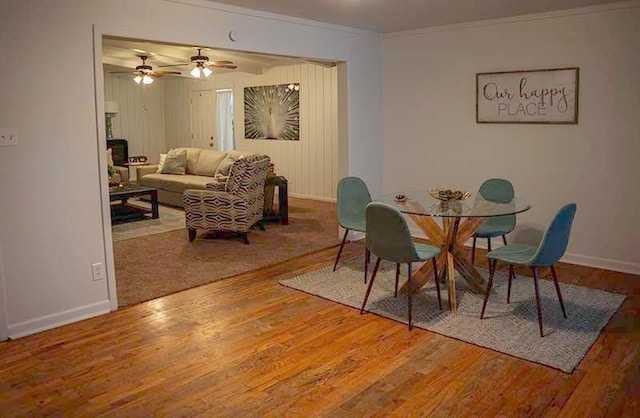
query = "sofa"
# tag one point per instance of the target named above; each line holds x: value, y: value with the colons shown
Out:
x: 202, y: 166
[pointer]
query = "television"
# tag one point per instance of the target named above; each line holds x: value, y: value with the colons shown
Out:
x: 119, y: 150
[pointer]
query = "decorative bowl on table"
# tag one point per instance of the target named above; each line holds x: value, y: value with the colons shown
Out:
x: 448, y: 195
x: 400, y: 198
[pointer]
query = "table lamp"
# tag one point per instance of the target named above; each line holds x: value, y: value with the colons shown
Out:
x: 110, y: 110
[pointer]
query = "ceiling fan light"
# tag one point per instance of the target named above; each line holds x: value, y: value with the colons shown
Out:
x: 207, y: 72
x: 137, y: 79
x: 147, y: 79
x: 195, y: 72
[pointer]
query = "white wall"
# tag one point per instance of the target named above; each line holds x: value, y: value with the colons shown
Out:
x: 51, y: 223
x: 141, y: 117
x: 310, y: 164
x: 431, y: 138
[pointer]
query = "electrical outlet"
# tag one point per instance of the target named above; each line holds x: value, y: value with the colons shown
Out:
x: 8, y: 137
x: 98, y: 271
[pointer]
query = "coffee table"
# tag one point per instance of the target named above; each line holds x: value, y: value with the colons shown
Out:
x: 127, y: 212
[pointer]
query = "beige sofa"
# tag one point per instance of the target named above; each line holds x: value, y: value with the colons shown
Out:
x: 201, y: 169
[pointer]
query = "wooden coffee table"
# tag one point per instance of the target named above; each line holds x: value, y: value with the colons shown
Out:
x: 123, y: 211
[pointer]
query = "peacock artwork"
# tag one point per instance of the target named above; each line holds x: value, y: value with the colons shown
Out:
x: 272, y: 112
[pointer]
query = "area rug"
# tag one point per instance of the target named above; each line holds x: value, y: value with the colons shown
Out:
x: 507, y: 328
x: 155, y: 265
x: 169, y: 219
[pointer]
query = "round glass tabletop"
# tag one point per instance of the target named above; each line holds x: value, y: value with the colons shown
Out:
x: 420, y: 202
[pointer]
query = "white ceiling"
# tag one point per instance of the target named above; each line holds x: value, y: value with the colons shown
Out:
x: 125, y: 53
x: 397, y: 15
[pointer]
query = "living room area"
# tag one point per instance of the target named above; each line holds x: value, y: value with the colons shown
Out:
x: 206, y: 120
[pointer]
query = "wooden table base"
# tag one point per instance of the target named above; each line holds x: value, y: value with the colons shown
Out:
x: 451, y: 238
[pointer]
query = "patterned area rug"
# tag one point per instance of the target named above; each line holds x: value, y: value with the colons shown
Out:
x: 169, y: 219
x: 507, y: 328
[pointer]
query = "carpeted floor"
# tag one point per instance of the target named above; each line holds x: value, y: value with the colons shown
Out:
x: 155, y: 265
x: 507, y: 328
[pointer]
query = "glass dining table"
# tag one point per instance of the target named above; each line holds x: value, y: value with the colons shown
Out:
x: 460, y: 221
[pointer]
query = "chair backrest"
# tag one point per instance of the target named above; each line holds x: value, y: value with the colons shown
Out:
x: 352, y: 199
x: 388, y: 236
x: 247, y: 175
x: 500, y: 191
x: 555, y: 239
x: 497, y: 190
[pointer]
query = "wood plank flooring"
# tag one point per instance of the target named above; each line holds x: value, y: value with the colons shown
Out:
x: 247, y: 346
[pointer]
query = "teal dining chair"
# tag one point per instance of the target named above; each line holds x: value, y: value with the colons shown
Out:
x: 388, y: 237
x: 501, y: 191
x: 352, y: 199
x: 546, y: 254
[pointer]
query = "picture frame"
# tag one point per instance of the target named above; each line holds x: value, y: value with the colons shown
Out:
x: 272, y: 112
x: 546, y: 96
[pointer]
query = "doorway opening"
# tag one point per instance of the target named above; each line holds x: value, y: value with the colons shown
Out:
x: 178, y: 111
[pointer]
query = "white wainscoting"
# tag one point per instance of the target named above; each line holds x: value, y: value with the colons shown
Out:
x: 142, y: 113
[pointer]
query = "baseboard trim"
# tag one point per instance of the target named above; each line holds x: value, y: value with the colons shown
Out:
x: 32, y: 326
x: 570, y: 258
x: 320, y: 198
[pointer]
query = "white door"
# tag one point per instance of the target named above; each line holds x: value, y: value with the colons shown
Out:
x: 203, y: 119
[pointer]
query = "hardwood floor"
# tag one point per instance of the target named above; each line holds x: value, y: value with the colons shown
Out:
x: 247, y: 346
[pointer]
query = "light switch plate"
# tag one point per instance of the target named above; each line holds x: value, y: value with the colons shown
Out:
x: 8, y: 137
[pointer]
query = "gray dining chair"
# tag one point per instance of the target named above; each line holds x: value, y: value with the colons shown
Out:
x: 352, y: 199
x: 501, y: 191
x: 388, y: 237
x: 551, y: 248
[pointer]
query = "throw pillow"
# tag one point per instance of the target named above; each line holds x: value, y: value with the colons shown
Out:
x: 175, y: 162
x: 163, y: 157
x: 224, y: 167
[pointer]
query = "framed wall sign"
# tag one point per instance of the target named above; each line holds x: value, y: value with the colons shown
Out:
x: 535, y: 96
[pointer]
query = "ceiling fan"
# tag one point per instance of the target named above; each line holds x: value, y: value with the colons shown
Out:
x: 201, y: 65
x: 144, y: 73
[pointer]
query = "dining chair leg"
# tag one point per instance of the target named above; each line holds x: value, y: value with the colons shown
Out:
x: 488, y: 245
x: 555, y: 281
x: 367, y: 260
x: 435, y: 279
x: 395, y: 294
x: 535, y: 285
x: 511, y: 274
x: 504, y: 239
x: 373, y: 277
x: 489, y: 284
x: 335, y: 265
x: 473, y: 251
x: 409, y: 290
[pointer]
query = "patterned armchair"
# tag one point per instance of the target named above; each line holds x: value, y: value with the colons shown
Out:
x: 234, y: 206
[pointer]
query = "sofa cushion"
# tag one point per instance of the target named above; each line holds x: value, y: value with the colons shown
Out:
x: 192, y: 158
x: 175, y: 183
x: 175, y: 162
x: 208, y: 162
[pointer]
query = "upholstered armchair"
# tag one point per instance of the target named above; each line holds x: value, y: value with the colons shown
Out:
x: 232, y: 206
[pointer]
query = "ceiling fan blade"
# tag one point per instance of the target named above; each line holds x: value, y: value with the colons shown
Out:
x: 220, y: 62
x: 217, y: 64
x: 160, y: 73
x: 175, y: 65
x: 123, y: 72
